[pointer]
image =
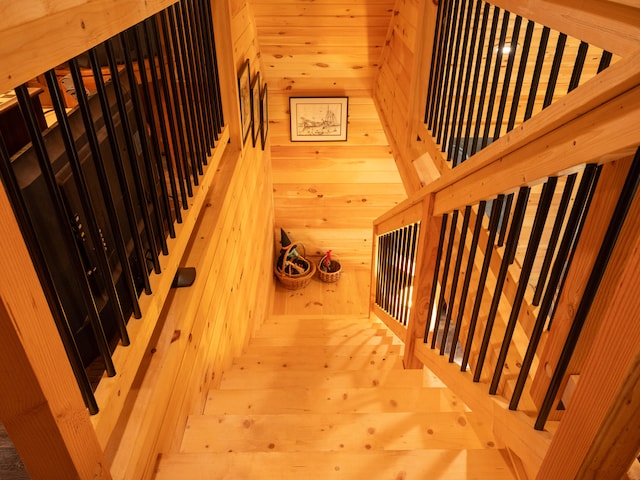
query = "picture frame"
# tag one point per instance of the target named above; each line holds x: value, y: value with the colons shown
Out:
x: 255, y: 108
x: 264, y: 114
x: 318, y: 119
x: 244, y: 92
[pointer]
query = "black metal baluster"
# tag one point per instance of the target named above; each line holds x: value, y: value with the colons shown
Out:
x: 496, y: 207
x: 442, y: 45
x: 527, y: 265
x: 411, y: 272
x: 605, y: 60
x: 26, y: 107
x: 555, y: 236
x: 117, y: 160
x: 151, y: 193
x: 434, y: 69
x: 181, y: 87
x: 385, y: 279
x: 474, y: 88
x: 522, y: 68
x: 445, y: 277
x: 504, y: 219
x: 446, y: 61
x: 467, y: 278
x: 627, y: 195
x: 456, y: 77
x: 454, y: 284
x: 485, y: 80
x: 434, y: 284
x: 103, y: 267
x: 191, y: 89
x: 212, y: 63
x: 44, y: 275
x: 455, y: 152
x: 107, y: 192
x: 397, y: 263
x: 578, y: 66
x: 153, y: 130
x: 515, y: 33
x: 554, y: 280
x: 496, y: 77
x: 178, y: 132
x: 512, y: 244
x: 537, y: 70
x: 403, y: 272
x: 574, y: 244
x: 131, y: 151
x: 555, y: 70
x: 163, y: 101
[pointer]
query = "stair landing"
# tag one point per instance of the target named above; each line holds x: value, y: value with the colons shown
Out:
x: 325, y: 396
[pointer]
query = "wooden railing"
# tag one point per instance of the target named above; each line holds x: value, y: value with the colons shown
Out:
x: 453, y: 288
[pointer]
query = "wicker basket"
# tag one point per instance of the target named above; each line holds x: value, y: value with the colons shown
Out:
x: 329, y: 277
x: 292, y: 275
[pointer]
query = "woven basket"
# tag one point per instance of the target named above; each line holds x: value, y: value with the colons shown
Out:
x: 292, y: 275
x: 329, y: 277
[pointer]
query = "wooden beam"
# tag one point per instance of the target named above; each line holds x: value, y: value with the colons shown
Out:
x: 598, y: 436
x: 38, y: 35
x: 610, y: 26
x: 40, y: 405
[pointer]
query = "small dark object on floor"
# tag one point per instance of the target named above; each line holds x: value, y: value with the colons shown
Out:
x: 185, y: 276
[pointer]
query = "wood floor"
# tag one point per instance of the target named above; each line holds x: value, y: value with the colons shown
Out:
x: 320, y: 393
x: 11, y: 467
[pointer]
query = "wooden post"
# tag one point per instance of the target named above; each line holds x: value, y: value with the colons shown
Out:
x: 599, y: 435
x: 40, y: 405
x: 426, y: 260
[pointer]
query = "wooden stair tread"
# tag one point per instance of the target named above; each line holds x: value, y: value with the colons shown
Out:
x: 235, y: 378
x: 327, y: 400
x: 361, y: 337
x: 312, y: 329
x: 299, y: 351
x: 409, y: 465
x: 279, y: 359
x: 335, y: 432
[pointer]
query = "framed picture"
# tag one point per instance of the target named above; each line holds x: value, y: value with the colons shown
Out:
x: 318, y: 119
x: 244, y: 89
x: 264, y: 114
x: 255, y: 107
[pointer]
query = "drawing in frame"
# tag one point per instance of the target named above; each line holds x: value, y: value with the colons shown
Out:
x: 264, y: 114
x: 318, y: 119
x: 255, y: 108
x: 244, y: 89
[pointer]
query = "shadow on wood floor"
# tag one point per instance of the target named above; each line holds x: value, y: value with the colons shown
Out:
x: 11, y: 467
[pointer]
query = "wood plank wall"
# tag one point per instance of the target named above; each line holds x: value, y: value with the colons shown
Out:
x: 327, y: 194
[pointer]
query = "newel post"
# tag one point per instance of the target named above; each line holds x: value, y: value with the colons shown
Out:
x: 40, y: 405
x: 423, y: 281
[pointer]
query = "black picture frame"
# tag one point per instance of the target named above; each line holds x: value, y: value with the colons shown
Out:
x: 244, y: 92
x: 319, y: 119
x: 264, y: 114
x: 255, y: 108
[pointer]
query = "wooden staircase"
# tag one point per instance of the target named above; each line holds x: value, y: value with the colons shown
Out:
x: 324, y: 396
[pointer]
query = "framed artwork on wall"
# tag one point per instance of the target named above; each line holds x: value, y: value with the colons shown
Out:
x: 264, y: 114
x: 255, y: 107
x: 318, y: 119
x: 244, y: 90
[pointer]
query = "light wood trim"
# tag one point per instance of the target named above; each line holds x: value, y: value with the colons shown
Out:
x: 604, y: 201
x: 396, y: 327
x: 598, y: 436
x: 40, y: 404
x: 612, y: 27
x: 55, y: 34
x: 425, y: 265
x: 112, y: 393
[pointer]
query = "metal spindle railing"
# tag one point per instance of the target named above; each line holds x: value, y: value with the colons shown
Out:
x: 481, y: 66
x: 395, y: 267
x: 97, y: 194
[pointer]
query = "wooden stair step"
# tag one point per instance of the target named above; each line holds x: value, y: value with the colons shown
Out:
x: 409, y: 465
x: 362, y: 337
x: 309, y: 432
x: 309, y: 329
x: 238, y: 379
x: 328, y: 400
x: 299, y: 351
x: 279, y: 360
